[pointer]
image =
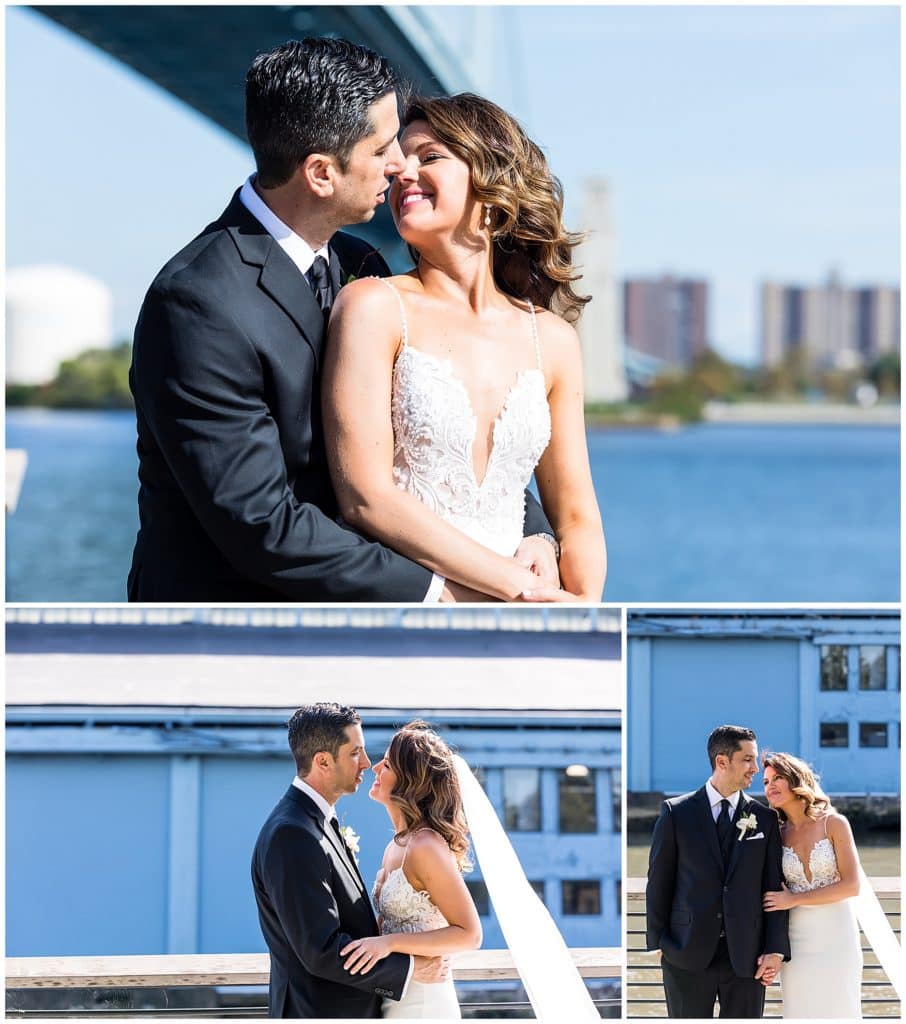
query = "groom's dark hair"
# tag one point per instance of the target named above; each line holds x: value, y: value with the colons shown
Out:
x: 311, y: 96
x: 726, y: 740
x: 317, y: 727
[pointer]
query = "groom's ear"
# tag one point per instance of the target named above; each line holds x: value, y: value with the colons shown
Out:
x: 318, y: 171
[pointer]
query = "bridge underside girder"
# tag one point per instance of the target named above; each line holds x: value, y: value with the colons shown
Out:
x: 200, y: 54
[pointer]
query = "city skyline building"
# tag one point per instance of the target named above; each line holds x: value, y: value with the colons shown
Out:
x: 831, y: 325
x: 666, y: 317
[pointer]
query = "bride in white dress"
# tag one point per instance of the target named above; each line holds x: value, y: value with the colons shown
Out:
x: 821, y: 875
x: 445, y: 389
x: 422, y: 903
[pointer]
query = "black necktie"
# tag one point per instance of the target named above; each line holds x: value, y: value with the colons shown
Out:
x: 724, y: 829
x: 319, y: 279
x: 346, y: 850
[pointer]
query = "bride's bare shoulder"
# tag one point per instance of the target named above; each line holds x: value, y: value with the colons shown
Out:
x: 837, y: 824
x: 427, y: 845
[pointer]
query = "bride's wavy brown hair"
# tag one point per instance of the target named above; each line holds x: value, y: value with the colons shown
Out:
x: 427, y: 790
x: 532, y: 251
x: 803, y: 783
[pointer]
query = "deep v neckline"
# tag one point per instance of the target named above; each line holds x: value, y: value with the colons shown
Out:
x: 807, y: 872
x: 456, y: 380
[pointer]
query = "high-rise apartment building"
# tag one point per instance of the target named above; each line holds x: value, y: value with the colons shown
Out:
x: 666, y: 317
x: 832, y: 325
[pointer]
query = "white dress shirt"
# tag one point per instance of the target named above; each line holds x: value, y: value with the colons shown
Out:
x: 329, y: 812
x: 302, y: 254
x: 716, y: 798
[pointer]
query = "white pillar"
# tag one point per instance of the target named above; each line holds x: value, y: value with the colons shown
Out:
x: 600, y: 328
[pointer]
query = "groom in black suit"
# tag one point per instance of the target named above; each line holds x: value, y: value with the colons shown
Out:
x: 713, y: 854
x: 235, y: 498
x: 311, y: 899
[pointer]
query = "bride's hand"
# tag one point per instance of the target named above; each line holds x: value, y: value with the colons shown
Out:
x: 365, y: 953
x: 782, y: 900
x: 538, y: 554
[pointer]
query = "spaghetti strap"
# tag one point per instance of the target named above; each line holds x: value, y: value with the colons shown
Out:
x: 399, y: 299
x: 535, y: 339
x: 826, y: 816
x: 412, y: 835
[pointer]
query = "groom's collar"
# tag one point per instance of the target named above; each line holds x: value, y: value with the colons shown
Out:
x: 715, y: 798
x: 323, y: 806
x: 295, y: 246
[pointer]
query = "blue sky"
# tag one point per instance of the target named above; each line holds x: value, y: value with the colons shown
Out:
x: 740, y: 143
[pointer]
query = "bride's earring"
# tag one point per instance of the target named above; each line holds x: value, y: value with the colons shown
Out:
x: 487, y: 215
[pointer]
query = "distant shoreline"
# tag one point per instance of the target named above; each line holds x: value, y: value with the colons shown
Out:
x: 753, y: 414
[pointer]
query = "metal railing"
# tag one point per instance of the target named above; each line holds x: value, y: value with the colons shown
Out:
x: 645, y: 992
x: 193, y: 985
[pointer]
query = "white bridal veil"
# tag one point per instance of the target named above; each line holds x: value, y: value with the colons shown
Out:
x: 880, y: 935
x: 552, y: 982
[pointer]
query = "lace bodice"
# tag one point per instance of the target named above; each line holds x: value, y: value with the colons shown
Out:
x: 822, y: 867
x: 401, y: 908
x: 434, y: 430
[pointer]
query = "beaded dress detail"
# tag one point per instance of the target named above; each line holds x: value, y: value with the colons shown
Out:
x: 822, y: 867
x: 434, y: 430
x: 403, y: 909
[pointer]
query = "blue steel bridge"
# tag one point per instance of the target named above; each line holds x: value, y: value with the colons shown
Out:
x: 200, y: 54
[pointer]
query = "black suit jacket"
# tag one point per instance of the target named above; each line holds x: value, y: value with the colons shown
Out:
x: 235, y: 497
x: 690, y: 899
x: 311, y: 903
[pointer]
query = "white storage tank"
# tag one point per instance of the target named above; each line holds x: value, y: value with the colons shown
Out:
x: 52, y: 313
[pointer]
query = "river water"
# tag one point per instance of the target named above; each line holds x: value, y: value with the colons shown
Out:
x: 705, y: 513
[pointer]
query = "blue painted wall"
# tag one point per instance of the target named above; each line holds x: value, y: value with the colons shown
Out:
x: 700, y: 685
x: 86, y: 854
x: 149, y: 852
x: 690, y: 672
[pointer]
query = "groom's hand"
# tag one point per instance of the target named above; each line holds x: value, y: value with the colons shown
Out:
x: 538, y: 554
x: 768, y: 966
x: 431, y: 970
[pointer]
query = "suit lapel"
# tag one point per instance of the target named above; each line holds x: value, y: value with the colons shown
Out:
x: 709, y: 829
x: 280, y: 279
x: 344, y: 855
x: 308, y: 806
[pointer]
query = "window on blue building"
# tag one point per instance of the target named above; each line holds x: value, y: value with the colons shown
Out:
x: 872, y: 667
x: 578, y: 799
x: 834, y: 669
x: 581, y: 897
x: 834, y: 734
x: 872, y: 734
x: 522, y: 799
x: 479, y: 893
x: 538, y: 886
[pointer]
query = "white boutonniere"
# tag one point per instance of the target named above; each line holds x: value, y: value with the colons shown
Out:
x: 746, y: 824
x: 351, y: 839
